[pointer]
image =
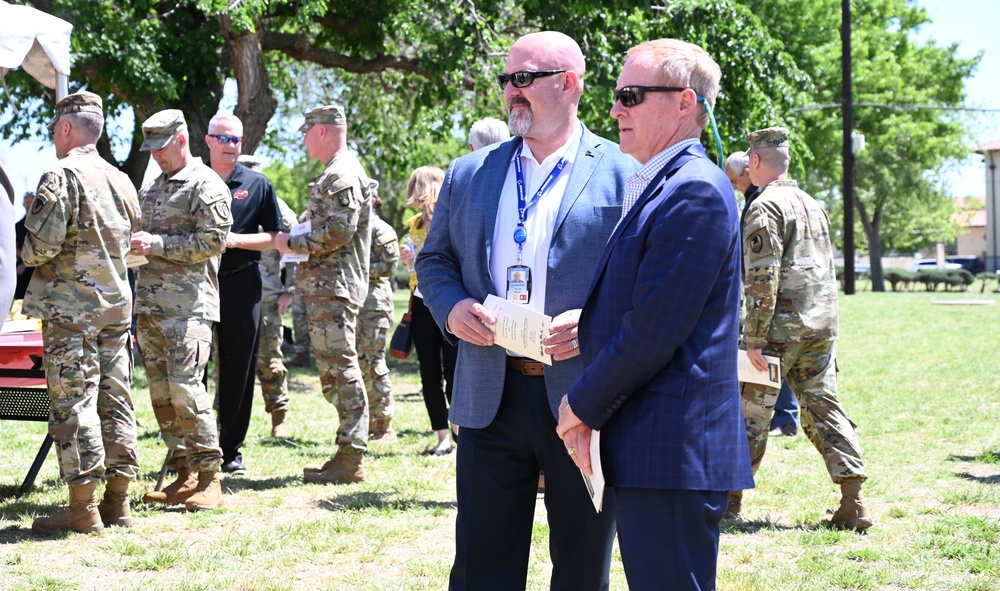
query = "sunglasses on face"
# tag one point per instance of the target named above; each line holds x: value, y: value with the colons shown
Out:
x: 524, y: 78
x: 228, y: 139
x: 631, y: 96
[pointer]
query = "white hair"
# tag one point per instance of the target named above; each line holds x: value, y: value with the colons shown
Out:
x: 486, y: 132
x: 737, y: 162
x: 220, y: 117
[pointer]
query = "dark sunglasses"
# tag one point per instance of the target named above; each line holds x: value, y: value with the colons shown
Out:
x: 524, y: 78
x: 631, y: 96
x: 228, y: 139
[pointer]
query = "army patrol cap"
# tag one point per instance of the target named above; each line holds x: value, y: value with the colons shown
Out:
x: 252, y: 162
x: 772, y: 137
x: 78, y: 102
x: 328, y: 114
x: 160, y: 128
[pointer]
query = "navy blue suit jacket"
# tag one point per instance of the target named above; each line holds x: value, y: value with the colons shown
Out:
x: 454, y: 263
x: 658, y: 336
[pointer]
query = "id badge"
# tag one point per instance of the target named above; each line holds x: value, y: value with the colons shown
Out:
x: 518, y: 284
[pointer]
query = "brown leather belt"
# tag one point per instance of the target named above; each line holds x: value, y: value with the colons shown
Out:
x: 526, y: 367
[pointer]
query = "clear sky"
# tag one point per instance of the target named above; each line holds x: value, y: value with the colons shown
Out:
x: 973, y: 24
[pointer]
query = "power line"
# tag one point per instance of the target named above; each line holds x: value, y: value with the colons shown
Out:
x: 894, y: 107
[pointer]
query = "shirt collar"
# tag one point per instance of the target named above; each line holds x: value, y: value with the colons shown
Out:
x: 649, y: 169
x: 559, y: 152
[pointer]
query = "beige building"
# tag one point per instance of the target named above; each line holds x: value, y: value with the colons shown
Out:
x: 971, y: 221
x: 991, y: 153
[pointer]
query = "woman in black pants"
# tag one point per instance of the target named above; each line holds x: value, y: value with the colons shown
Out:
x: 435, y: 355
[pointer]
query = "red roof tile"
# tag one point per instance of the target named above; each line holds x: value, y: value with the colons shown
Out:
x: 993, y: 146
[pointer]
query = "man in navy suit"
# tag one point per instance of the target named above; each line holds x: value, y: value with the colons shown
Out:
x: 524, y: 220
x: 658, y: 333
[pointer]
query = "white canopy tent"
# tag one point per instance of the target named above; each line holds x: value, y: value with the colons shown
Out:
x: 36, y: 41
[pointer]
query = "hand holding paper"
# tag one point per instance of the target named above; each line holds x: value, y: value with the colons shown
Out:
x: 519, y: 329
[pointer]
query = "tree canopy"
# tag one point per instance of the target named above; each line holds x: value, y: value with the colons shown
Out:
x: 414, y: 75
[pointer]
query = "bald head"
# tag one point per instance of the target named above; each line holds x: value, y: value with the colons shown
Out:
x: 551, y: 50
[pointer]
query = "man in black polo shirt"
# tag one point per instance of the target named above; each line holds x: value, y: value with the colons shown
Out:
x: 237, y: 334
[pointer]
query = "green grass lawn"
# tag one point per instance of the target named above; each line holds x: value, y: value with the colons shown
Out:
x: 919, y: 379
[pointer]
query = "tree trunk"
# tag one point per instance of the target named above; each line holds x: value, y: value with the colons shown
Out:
x: 256, y: 103
x: 874, y: 245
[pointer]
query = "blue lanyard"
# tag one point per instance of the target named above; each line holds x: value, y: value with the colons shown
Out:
x: 520, y: 234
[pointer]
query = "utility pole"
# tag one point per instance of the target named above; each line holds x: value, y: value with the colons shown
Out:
x: 849, y: 168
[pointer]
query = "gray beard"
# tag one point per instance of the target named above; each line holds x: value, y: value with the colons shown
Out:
x: 520, y: 122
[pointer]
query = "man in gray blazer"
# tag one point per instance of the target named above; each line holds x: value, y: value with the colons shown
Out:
x: 524, y: 220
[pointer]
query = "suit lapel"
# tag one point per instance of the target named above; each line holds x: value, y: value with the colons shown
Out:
x: 587, y: 158
x: 496, y: 167
x: 653, y: 189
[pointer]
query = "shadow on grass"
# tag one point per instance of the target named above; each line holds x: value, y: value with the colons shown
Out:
x: 243, y: 483
x: 745, y: 526
x: 379, y: 501
x: 993, y: 479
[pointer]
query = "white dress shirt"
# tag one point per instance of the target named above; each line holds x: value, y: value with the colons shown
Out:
x: 541, y: 218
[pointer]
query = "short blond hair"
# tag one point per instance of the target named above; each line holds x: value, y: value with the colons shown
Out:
x: 684, y: 64
x: 422, y: 191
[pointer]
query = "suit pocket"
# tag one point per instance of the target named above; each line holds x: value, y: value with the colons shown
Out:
x: 672, y: 384
x: 610, y: 211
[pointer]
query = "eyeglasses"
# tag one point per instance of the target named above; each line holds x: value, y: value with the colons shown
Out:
x: 228, y: 139
x: 631, y: 96
x: 524, y: 78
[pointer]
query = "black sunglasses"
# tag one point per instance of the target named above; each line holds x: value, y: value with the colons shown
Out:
x: 228, y: 139
x: 524, y: 77
x: 631, y: 96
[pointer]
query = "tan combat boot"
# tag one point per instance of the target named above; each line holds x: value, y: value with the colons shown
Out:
x: 735, y: 505
x: 279, y: 428
x: 380, y: 431
x: 114, y: 507
x: 81, y: 516
x: 313, y: 468
x: 344, y: 468
x: 853, y: 513
x: 177, y: 491
x: 209, y: 493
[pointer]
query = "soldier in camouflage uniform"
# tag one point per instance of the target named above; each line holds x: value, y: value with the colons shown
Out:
x: 78, y: 231
x: 334, y: 282
x: 186, y: 218
x: 300, y: 320
x: 374, y: 323
x: 791, y: 301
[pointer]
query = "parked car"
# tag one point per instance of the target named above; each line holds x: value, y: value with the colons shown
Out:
x: 972, y: 264
x: 933, y: 264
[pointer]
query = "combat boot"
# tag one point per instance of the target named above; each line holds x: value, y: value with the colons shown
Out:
x: 313, y: 468
x: 279, y: 429
x: 177, y: 491
x: 81, y: 516
x: 380, y: 431
x: 209, y: 493
x: 114, y: 507
x: 344, y: 468
x: 735, y: 505
x: 853, y: 513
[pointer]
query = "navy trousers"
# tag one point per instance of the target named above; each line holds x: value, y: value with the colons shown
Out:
x: 497, y: 480
x: 669, y: 539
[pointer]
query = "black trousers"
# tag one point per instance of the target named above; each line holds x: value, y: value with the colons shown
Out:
x: 437, y: 364
x: 237, y: 336
x: 497, y: 481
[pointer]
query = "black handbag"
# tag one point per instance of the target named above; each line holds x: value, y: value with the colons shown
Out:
x: 402, y: 338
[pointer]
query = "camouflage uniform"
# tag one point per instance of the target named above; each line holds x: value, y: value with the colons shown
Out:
x: 791, y: 300
x: 177, y: 300
x: 79, y: 229
x: 271, y: 370
x: 300, y: 320
x: 375, y: 319
x: 334, y: 283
